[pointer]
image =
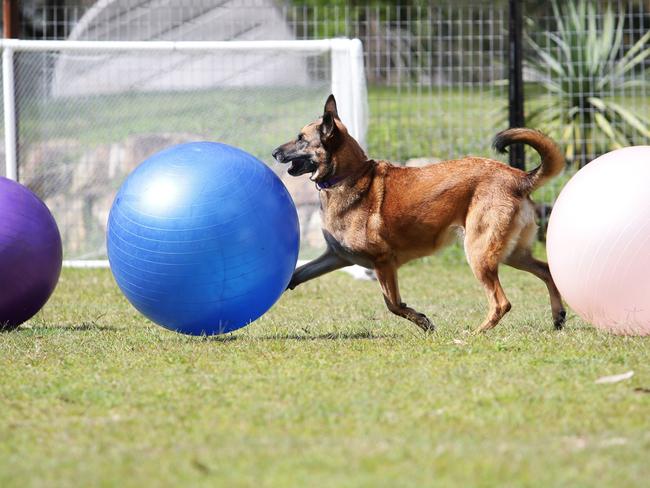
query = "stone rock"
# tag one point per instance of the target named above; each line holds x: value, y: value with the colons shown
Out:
x: 46, y: 166
x: 78, y: 183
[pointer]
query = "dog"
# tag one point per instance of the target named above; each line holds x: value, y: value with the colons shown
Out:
x: 379, y: 215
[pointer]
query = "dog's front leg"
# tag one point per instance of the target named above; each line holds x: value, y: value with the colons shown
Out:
x: 387, y: 276
x: 328, y: 261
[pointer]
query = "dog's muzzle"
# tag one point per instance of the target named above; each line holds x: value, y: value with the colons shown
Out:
x: 278, y: 155
x: 300, y: 164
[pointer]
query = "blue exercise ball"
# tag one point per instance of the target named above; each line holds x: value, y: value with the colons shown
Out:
x: 202, y: 238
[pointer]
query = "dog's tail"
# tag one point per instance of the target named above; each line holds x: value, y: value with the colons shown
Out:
x: 552, y: 159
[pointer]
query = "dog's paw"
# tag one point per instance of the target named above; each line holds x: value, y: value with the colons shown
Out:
x: 560, y: 320
x: 424, y: 323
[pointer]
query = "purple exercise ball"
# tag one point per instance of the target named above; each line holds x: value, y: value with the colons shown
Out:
x: 30, y: 254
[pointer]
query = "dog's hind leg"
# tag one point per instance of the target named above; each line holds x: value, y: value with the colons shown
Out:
x: 387, y: 276
x: 484, y: 245
x: 522, y: 259
x: 499, y: 305
x: 328, y: 261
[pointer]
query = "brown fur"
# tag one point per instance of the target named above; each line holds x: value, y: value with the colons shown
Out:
x: 381, y: 216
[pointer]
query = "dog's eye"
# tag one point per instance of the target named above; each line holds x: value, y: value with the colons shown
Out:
x: 300, y: 137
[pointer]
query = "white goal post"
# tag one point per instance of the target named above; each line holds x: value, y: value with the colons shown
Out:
x: 346, y: 82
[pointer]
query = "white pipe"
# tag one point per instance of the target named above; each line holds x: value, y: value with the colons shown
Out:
x: 9, y: 94
x: 357, y: 73
x: 85, y: 263
x: 322, y: 45
x: 341, y: 83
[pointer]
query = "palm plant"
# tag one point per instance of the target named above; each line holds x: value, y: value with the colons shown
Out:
x: 582, y: 68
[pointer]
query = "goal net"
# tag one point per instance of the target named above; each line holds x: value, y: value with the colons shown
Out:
x: 79, y: 116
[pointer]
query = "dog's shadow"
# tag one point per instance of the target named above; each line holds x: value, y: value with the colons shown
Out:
x: 329, y: 336
x: 291, y: 336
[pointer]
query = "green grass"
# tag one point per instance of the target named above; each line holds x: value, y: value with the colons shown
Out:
x: 403, y: 124
x: 441, y: 122
x: 327, y: 389
x: 203, y: 114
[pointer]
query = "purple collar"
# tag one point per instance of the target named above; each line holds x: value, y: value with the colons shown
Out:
x: 333, y: 181
x: 327, y: 184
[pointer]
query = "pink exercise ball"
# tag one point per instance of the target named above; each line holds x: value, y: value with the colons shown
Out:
x: 598, y: 241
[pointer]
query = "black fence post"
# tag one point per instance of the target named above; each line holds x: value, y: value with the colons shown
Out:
x: 516, y: 81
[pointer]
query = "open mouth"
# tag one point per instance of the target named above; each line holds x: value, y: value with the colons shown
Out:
x: 302, y: 165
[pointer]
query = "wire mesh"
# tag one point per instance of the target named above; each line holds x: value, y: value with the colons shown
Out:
x: 436, y: 74
x: 432, y: 68
x: 436, y: 71
x: 87, y: 119
x: 595, y: 86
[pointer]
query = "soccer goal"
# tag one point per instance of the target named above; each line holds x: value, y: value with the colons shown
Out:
x: 80, y: 115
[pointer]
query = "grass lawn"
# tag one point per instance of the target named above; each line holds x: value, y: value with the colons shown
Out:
x: 403, y: 123
x: 327, y: 389
x: 256, y: 120
x: 440, y: 122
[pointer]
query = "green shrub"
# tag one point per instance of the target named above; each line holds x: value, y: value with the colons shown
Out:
x: 583, y: 69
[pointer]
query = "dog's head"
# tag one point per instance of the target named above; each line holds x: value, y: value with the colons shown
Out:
x: 315, y: 148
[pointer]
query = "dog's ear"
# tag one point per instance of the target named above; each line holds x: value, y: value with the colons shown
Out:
x: 329, y: 132
x: 330, y: 107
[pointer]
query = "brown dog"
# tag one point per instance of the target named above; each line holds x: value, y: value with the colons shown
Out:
x: 381, y: 216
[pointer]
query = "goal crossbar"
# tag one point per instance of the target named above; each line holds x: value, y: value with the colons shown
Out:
x: 308, y: 46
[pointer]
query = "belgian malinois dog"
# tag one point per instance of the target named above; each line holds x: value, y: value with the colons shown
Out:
x: 380, y: 216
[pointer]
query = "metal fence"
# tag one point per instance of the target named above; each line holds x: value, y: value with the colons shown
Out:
x: 436, y: 71
x: 90, y: 112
